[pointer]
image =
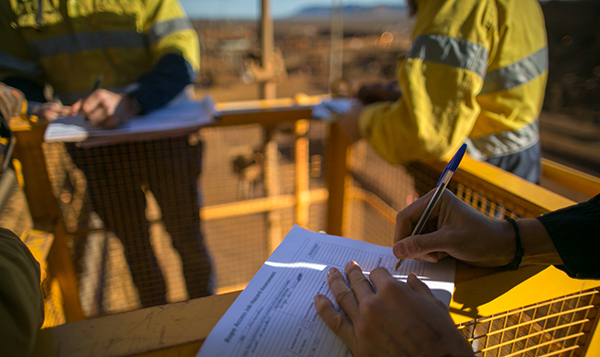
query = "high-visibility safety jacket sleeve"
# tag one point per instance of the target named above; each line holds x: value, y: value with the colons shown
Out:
x: 174, y: 44
x: 441, y: 77
x: 70, y: 43
x: 21, y: 302
x: 430, y: 121
x: 169, y: 30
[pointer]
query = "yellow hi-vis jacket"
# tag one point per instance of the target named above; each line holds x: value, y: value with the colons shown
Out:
x: 69, y: 43
x: 477, y: 69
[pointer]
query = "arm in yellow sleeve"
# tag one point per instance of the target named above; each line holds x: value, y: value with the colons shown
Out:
x: 439, y: 79
x: 170, y: 31
x: 432, y: 119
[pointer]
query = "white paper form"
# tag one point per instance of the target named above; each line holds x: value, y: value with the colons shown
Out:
x: 181, y: 116
x: 275, y: 314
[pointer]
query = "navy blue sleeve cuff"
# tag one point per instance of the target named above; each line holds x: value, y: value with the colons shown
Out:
x: 156, y: 88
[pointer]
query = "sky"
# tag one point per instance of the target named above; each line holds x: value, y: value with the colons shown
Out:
x: 250, y: 9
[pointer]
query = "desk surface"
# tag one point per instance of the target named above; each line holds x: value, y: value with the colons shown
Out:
x: 179, y: 329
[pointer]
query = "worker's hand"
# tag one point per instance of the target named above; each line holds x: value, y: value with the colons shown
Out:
x: 50, y: 111
x: 456, y: 229
x: 105, y: 108
x: 349, y: 122
x: 396, y: 319
x: 379, y: 92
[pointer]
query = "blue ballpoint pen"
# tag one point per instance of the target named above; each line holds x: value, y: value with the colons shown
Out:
x: 441, y: 185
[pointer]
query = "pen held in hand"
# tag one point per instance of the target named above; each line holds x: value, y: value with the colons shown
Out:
x: 98, y: 82
x: 97, y: 85
x: 439, y: 191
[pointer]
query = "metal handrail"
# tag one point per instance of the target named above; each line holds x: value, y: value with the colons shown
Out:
x: 571, y: 178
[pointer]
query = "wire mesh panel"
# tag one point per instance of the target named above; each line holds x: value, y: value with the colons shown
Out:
x: 238, y: 247
x: 236, y: 184
x: 482, y: 196
x: 391, y: 183
x: 132, y: 210
x: 378, y: 191
x: 366, y: 223
x: 559, y: 327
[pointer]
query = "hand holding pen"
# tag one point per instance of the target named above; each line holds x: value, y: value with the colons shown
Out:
x: 458, y: 230
x: 105, y: 108
x: 437, y: 195
x: 50, y: 111
x: 97, y: 85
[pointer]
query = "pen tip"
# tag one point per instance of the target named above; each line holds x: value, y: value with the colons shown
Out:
x: 398, y: 264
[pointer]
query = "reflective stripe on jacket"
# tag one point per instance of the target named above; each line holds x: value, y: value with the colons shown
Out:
x: 476, y: 68
x: 73, y: 42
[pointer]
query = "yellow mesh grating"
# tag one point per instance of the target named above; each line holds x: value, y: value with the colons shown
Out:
x: 558, y: 327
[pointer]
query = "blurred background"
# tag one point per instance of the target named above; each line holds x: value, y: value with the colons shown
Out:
x: 255, y: 176
x: 369, y: 36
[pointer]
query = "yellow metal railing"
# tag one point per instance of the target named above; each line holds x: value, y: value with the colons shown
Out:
x: 496, y: 193
x: 480, y: 300
x: 573, y: 179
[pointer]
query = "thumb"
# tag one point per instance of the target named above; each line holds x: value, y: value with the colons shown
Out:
x: 421, y: 245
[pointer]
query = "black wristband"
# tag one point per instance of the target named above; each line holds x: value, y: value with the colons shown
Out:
x: 514, y: 265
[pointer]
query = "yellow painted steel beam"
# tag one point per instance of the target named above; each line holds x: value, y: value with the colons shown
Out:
x: 387, y: 212
x: 267, y: 111
x: 501, y: 183
x: 61, y: 267
x: 338, y: 178
x: 571, y: 178
x: 593, y: 348
x: 511, y: 290
x: 259, y: 205
x: 298, y: 101
x: 155, y: 331
x: 302, y: 172
x: 266, y: 117
x: 37, y: 187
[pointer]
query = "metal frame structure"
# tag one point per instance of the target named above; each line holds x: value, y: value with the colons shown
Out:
x: 482, y: 295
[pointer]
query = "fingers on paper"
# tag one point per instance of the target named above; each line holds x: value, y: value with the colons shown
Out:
x: 380, y: 276
x: 342, y: 293
x: 336, y: 321
x: 418, y: 286
x: 358, y: 282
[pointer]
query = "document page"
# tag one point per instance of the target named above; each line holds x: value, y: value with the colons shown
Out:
x: 181, y: 116
x: 329, y: 110
x: 275, y: 314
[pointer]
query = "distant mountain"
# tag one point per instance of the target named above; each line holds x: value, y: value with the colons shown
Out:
x: 353, y: 11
